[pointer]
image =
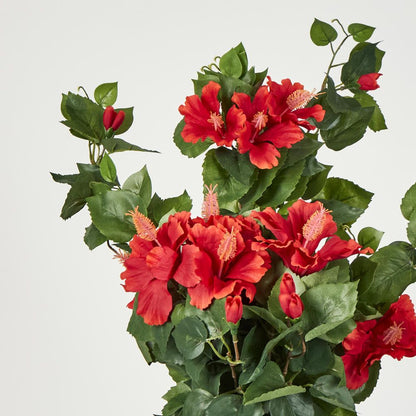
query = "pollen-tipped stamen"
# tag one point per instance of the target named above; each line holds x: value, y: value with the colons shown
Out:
x: 121, y: 256
x: 145, y: 229
x: 210, y: 205
x: 260, y: 120
x: 300, y: 98
x: 216, y: 120
x: 313, y: 228
x: 228, y: 246
x: 393, y: 334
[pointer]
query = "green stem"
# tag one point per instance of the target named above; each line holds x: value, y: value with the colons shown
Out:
x: 342, y: 27
x: 83, y: 89
x: 221, y: 357
x: 330, y: 66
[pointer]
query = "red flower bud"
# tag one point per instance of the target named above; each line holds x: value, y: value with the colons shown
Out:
x: 233, y: 309
x: 368, y: 82
x: 290, y: 302
x: 118, y: 121
x: 108, y: 117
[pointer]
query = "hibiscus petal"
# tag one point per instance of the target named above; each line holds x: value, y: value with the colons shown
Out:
x: 186, y: 272
x: 155, y: 303
x: 160, y: 261
x: 264, y: 155
x: 209, y: 96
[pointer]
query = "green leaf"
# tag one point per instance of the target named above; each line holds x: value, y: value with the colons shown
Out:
x: 327, y: 388
x: 282, y: 186
x: 113, y: 145
x: 367, y: 388
x: 411, y: 230
x: 236, y: 164
x: 190, y: 336
x: 140, y: 183
x: 349, y: 129
x: 253, y: 345
x: 327, y: 306
x: 175, y: 398
x: 339, y: 103
x: 83, y: 117
x: 108, y: 213
x: 230, y: 64
x: 189, y: 149
x: 128, y: 119
x: 257, y: 311
x: 229, y: 188
x: 93, y: 238
x: 108, y: 169
x: 106, y: 94
x: 196, y: 403
x: 68, y: 179
x: 322, y: 33
x: 395, y: 271
x: 294, y: 405
x: 361, y: 61
x: 370, y: 237
x: 377, y: 121
x: 408, y: 206
x: 316, y: 182
x: 360, y: 32
x: 159, y: 207
x: 362, y: 269
x: 225, y: 405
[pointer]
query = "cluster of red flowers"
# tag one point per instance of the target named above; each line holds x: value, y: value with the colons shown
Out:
x: 213, y: 258
x: 261, y: 126
x: 221, y: 256
x: 394, y: 334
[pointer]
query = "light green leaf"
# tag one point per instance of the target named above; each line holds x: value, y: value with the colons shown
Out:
x: 322, y: 33
x: 140, y: 183
x: 370, y: 237
x: 106, y: 94
x: 108, y: 169
x: 360, y: 32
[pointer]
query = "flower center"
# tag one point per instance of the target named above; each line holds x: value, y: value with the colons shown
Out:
x: 299, y: 98
x: 313, y: 228
x: 216, y: 120
x: 393, y: 334
x: 144, y: 227
x: 228, y: 246
x: 260, y: 120
x: 210, y: 205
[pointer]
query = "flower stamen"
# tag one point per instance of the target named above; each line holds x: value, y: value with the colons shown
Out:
x: 260, y: 120
x: 216, y: 120
x: 210, y: 205
x: 393, y: 334
x: 145, y: 229
x: 313, y: 228
x: 300, y: 98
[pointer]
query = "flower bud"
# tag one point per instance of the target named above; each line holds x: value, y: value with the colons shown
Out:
x: 118, y: 120
x: 290, y: 302
x: 108, y: 117
x: 233, y: 309
x: 368, y: 82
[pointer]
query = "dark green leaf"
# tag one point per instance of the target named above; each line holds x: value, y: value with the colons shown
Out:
x: 196, y: 403
x: 236, y: 164
x: 317, y: 360
x: 316, y: 182
x: 370, y: 237
x: 189, y: 149
x: 360, y: 32
x: 362, y: 269
x: 175, y: 398
x: 106, y: 94
x: 230, y: 64
x: 395, y: 271
x: 229, y: 188
x: 377, y: 121
x: 108, y: 169
x: 225, y: 405
x: 140, y: 183
x: 113, y: 145
x: 68, y: 179
x: 411, y: 230
x: 408, y: 206
x: 84, y: 117
x: 257, y: 311
x: 350, y: 128
x: 108, y: 213
x: 282, y: 186
x: 294, y: 405
x: 361, y: 61
x: 339, y: 103
x: 301, y: 150
x: 327, y: 388
x: 159, y: 207
x: 190, y: 336
x: 327, y: 306
x: 93, y: 238
x: 322, y: 33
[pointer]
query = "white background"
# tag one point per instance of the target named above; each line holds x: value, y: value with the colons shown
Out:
x: 64, y: 350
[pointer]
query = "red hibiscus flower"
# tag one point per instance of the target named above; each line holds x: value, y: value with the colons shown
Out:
x: 368, y: 82
x: 227, y: 264
x: 299, y: 235
x: 289, y: 300
x: 203, y: 118
x: 158, y: 256
x: 287, y: 102
x: 262, y: 137
x: 393, y: 334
